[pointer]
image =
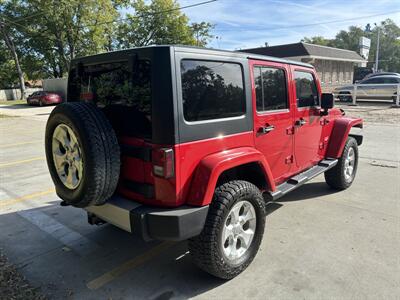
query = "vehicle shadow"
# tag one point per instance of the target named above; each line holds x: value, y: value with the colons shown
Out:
x: 17, y: 106
x: 309, y: 191
x: 59, y: 252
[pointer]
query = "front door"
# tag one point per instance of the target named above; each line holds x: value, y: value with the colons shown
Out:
x: 273, y: 116
x: 307, y: 120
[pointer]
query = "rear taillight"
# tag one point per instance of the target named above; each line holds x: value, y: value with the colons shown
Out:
x: 163, y: 162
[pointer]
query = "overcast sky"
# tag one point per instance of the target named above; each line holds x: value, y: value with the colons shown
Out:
x: 251, y: 23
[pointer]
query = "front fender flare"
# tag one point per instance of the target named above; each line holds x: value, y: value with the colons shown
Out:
x: 211, y: 167
x: 339, y: 135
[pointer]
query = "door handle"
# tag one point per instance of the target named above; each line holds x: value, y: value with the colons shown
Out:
x: 300, y: 122
x: 266, y: 129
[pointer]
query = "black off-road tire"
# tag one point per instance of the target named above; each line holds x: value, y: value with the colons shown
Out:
x: 205, y: 249
x: 100, y: 153
x: 335, y: 177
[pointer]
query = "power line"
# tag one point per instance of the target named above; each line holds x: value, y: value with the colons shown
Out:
x: 312, y: 24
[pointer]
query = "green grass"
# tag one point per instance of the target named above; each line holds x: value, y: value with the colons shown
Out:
x: 12, y: 102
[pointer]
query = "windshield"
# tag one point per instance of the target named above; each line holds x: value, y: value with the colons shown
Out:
x: 123, y: 94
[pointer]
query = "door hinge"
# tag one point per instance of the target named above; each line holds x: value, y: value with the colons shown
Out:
x: 321, y: 145
x: 289, y: 159
x: 290, y: 130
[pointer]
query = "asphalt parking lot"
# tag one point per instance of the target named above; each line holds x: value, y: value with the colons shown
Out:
x: 318, y: 243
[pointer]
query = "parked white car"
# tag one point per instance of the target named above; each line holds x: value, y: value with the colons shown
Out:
x: 383, y: 87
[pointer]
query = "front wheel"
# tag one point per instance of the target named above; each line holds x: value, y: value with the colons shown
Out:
x: 342, y: 175
x: 233, y: 231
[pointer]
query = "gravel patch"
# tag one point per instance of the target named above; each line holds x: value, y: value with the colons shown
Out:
x: 13, y: 286
x: 382, y: 113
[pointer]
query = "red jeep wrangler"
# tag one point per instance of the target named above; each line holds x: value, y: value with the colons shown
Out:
x: 176, y: 143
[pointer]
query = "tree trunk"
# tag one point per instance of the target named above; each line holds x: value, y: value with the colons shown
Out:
x: 10, y: 45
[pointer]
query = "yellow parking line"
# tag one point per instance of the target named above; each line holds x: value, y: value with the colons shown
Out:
x: 13, y: 163
x: 19, y: 144
x: 128, y: 265
x: 26, y: 197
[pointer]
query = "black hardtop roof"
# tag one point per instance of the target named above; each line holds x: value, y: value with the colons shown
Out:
x: 193, y: 49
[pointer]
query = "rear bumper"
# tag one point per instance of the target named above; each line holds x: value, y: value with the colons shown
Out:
x: 174, y: 224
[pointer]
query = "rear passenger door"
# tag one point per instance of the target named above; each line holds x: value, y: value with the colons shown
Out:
x: 273, y: 117
x: 307, y: 123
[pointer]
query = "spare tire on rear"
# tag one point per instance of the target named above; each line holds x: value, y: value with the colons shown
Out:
x: 82, y: 154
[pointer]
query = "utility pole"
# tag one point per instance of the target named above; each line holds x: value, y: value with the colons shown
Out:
x: 4, y: 31
x: 377, y: 50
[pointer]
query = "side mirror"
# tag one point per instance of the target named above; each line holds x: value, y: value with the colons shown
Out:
x: 327, y: 102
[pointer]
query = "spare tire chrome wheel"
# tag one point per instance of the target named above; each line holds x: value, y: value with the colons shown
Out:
x: 82, y: 154
x: 67, y: 156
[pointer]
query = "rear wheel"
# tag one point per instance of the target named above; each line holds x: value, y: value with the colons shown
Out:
x: 342, y: 175
x: 82, y: 154
x: 233, y: 231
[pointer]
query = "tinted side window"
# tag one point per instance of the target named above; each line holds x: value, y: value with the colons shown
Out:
x: 270, y: 84
x: 373, y: 81
x: 306, y: 89
x: 212, y: 90
x: 390, y: 80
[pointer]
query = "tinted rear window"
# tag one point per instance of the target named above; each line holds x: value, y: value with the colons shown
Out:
x: 121, y: 90
x: 212, y: 90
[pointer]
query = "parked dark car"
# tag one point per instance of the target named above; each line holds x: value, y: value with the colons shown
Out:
x: 44, y: 98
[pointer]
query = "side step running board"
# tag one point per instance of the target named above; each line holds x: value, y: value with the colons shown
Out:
x: 300, y: 179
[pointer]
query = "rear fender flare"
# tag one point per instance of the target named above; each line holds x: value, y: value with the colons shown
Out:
x: 339, y: 135
x: 211, y: 167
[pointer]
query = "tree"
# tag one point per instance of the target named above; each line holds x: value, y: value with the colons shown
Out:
x: 201, y: 33
x: 46, y: 35
x: 8, y: 73
x: 389, y: 50
x: 319, y: 40
x: 63, y: 29
x: 6, y: 33
x: 160, y: 22
x: 349, y: 39
x: 389, y: 57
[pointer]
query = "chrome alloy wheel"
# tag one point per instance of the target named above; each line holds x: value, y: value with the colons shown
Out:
x: 349, y: 164
x: 239, y: 230
x: 67, y: 156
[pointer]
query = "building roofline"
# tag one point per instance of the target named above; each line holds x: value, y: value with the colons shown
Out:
x: 307, y: 46
x: 322, y: 46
